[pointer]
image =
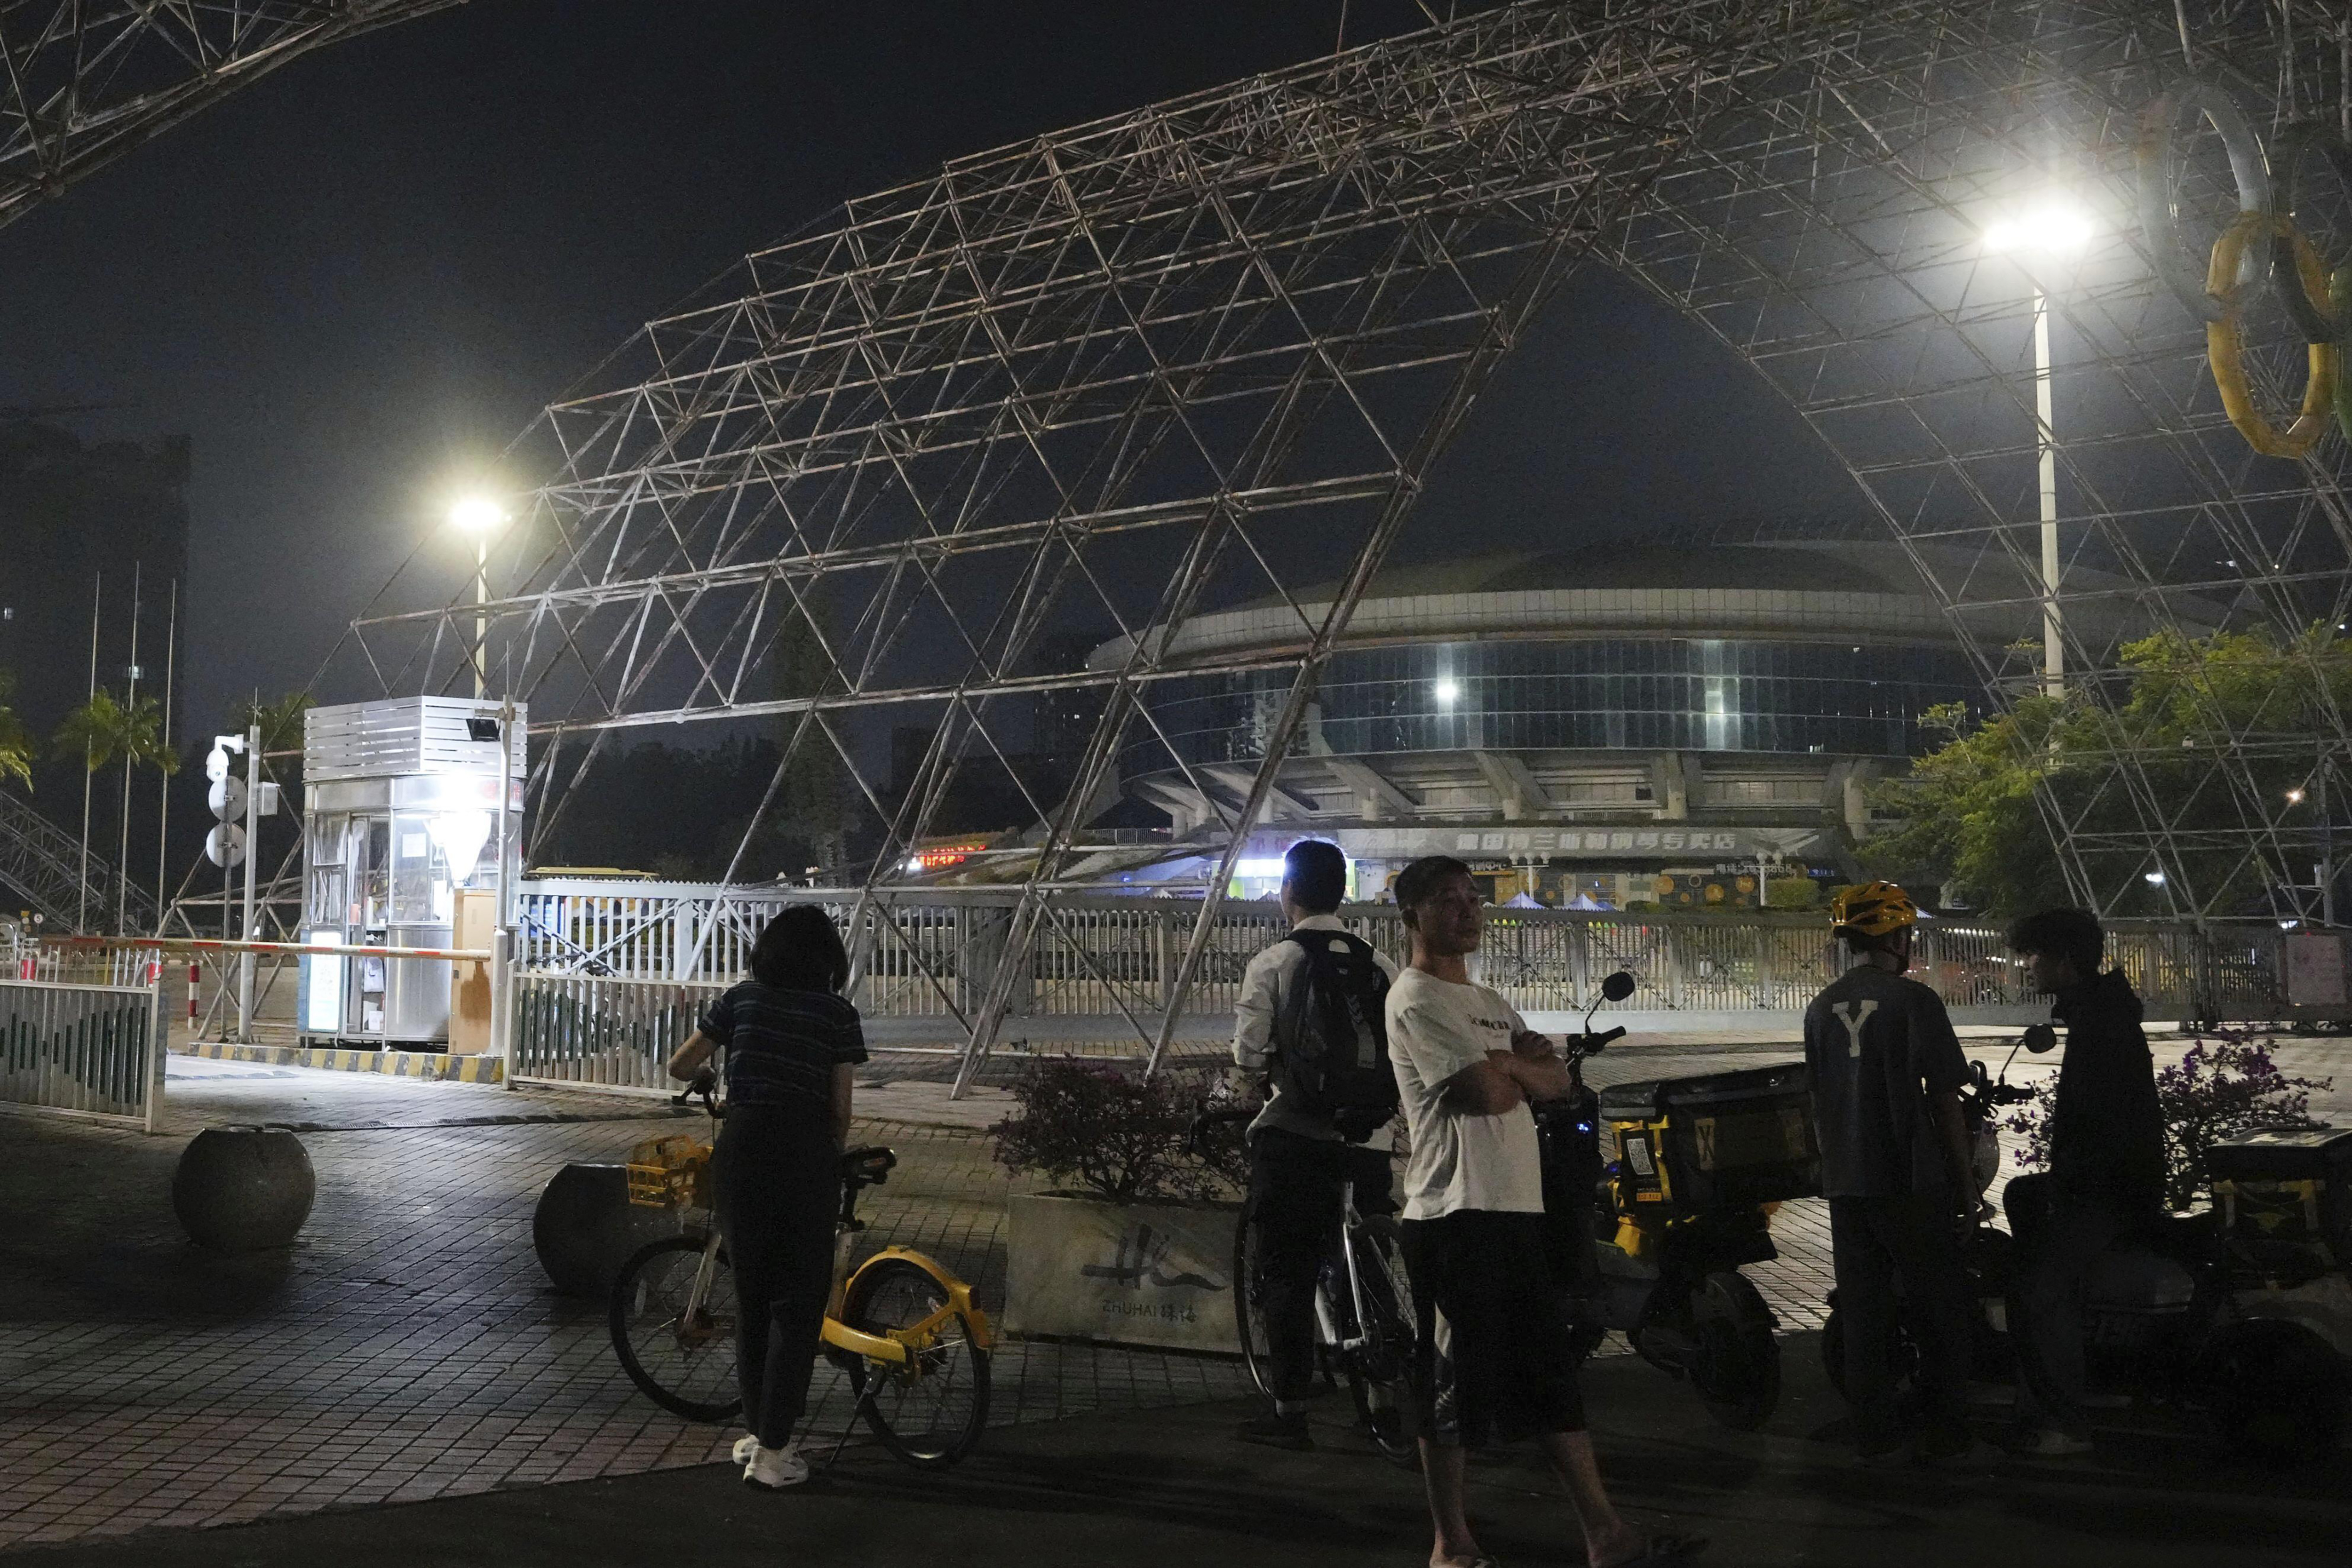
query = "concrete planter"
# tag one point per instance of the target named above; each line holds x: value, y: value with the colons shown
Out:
x: 585, y: 1229
x: 1141, y: 1274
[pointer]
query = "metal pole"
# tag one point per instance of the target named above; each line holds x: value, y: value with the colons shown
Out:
x: 163, y: 780
x: 252, y: 856
x: 2327, y: 851
x: 502, y: 941
x: 81, y: 901
x: 2054, y: 649
x: 482, y: 626
x: 130, y: 706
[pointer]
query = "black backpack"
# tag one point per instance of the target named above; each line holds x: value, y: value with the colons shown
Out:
x: 1331, y: 1043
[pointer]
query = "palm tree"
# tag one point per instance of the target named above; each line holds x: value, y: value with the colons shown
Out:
x: 15, y: 741
x: 280, y: 722
x: 102, y: 730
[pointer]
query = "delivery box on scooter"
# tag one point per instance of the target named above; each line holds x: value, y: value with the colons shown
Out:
x: 1724, y: 1141
x: 2286, y: 1197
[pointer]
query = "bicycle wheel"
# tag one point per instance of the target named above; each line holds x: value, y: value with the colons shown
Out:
x: 930, y: 1411
x: 1249, y: 1300
x: 683, y: 1365
x: 1379, y: 1370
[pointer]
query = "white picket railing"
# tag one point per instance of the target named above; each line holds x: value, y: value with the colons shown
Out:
x: 88, y: 1049
x: 615, y: 973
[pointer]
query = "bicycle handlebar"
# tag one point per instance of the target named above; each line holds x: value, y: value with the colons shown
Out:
x: 1204, y: 1117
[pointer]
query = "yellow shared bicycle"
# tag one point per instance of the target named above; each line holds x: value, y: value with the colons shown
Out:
x: 902, y: 1327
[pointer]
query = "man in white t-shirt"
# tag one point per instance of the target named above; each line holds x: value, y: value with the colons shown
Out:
x: 1492, y: 1356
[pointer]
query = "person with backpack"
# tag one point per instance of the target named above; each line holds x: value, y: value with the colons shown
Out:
x: 1310, y: 1018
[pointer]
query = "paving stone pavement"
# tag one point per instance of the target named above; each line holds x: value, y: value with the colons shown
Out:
x: 408, y: 1346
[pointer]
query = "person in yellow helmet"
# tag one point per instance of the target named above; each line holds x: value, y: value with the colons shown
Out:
x: 1888, y: 1071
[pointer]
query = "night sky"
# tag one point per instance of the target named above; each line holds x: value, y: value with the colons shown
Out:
x: 354, y: 283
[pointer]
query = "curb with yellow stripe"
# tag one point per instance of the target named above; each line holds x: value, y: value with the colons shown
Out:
x: 430, y: 1065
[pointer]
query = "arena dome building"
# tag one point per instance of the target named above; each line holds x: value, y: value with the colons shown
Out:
x: 1622, y: 722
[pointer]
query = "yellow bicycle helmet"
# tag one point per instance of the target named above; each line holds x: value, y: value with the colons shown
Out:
x: 1874, y: 909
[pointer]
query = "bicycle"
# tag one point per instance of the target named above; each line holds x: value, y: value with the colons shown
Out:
x: 1364, y: 1324
x: 901, y: 1326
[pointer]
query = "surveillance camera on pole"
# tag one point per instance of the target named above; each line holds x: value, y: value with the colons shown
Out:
x: 226, y: 846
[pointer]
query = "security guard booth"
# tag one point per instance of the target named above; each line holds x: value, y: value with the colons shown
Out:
x: 401, y: 842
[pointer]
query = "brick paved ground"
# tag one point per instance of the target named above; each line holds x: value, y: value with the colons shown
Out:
x: 408, y: 1346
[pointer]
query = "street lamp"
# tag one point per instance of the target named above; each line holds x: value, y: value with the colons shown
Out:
x: 480, y: 515
x: 2052, y: 229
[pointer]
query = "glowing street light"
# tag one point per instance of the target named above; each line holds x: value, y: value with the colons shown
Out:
x: 2294, y: 798
x: 2052, y: 228
x: 2153, y: 878
x: 480, y: 516
x: 1446, y: 691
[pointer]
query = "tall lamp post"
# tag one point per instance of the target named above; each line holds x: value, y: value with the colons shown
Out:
x: 480, y: 516
x: 2052, y: 229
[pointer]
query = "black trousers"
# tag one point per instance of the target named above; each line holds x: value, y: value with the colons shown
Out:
x: 1295, y: 1203
x: 1490, y: 1364
x: 1898, y: 1260
x: 2059, y: 1234
x: 778, y: 1177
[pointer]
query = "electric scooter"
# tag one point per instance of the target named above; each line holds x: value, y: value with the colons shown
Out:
x: 1656, y: 1193
x: 2205, y: 1313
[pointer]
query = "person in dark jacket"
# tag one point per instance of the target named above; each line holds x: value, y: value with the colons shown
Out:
x: 2106, y: 1175
x: 791, y: 1041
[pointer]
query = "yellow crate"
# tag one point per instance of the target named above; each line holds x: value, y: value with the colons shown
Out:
x: 664, y: 1173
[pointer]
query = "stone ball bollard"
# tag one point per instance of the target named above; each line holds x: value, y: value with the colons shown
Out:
x: 243, y: 1189
x: 585, y: 1229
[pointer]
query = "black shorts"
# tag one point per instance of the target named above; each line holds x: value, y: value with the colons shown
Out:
x: 1491, y: 1363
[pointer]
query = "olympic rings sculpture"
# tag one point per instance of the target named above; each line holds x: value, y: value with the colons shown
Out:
x: 2260, y: 242
x: 2226, y: 352
x: 2159, y: 213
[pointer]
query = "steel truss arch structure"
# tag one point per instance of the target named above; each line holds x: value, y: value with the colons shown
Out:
x: 87, y: 80
x: 1119, y: 374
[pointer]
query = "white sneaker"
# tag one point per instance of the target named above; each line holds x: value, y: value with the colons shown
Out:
x: 745, y: 1446
x: 774, y: 1469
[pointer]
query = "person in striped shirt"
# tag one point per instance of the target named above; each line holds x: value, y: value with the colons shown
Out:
x: 792, y: 1042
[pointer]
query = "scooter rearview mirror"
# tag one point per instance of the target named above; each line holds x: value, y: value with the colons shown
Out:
x: 2040, y: 1037
x: 1617, y: 986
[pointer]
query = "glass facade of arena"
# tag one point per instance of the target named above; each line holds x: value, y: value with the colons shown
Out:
x: 1697, y: 694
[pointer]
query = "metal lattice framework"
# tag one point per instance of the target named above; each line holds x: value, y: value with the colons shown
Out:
x: 1152, y: 365
x: 87, y: 80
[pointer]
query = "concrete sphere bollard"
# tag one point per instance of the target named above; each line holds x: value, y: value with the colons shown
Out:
x: 585, y: 1229
x: 243, y: 1189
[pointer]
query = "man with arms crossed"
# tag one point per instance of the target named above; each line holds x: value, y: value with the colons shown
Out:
x: 1492, y: 1364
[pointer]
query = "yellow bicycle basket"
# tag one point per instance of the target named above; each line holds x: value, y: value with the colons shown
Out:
x: 664, y: 1173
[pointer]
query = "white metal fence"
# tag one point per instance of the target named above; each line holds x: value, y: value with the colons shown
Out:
x: 614, y: 973
x: 91, y: 1049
